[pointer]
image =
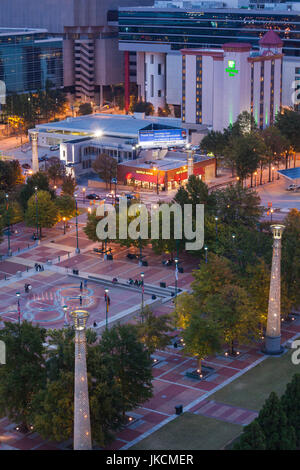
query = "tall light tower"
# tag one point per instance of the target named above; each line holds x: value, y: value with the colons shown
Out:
x: 35, y: 153
x: 273, y: 333
x: 82, y: 423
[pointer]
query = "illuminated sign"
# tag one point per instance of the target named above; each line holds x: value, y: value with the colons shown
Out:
x: 231, y: 70
x: 141, y: 172
x: 162, y: 137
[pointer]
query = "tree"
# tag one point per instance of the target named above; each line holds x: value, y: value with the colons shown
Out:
x: 238, y: 205
x: 106, y: 168
x: 290, y: 401
x: 252, y: 438
x: 130, y: 362
x: 142, y: 107
x: 10, y: 175
x: 275, y: 144
x: 274, y: 424
x: 243, y: 154
x: 24, y: 372
x: 66, y: 206
x: 215, y: 142
x: 291, y: 256
x: 245, y: 124
x: 45, y: 211
x: 153, y: 330
x: 56, y: 171
x: 39, y: 180
x: 232, y: 310
x: 84, y: 109
x: 69, y: 185
x: 288, y: 123
x: 202, y: 337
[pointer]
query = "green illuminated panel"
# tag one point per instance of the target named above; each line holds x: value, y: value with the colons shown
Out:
x: 231, y: 70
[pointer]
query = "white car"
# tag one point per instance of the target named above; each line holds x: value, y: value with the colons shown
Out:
x: 291, y: 187
x: 112, y: 195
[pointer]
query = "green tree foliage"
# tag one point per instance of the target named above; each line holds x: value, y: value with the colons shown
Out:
x: 275, y: 144
x: 69, y: 185
x: 215, y: 142
x: 291, y: 256
x: 202, y: 337
x: 56, y: 171
x: 130, y: 362
x: 153, y: 330
x: 48, y: 214
x: 39, y: 180
x: 142, y: 107
x: 288, y: 123
x: 66, y: 206
x: 84, y: 109
x: 10, y: 175
x: 290, y: 401
x: 252, y: 438
x: 24, y: 372
x: 106, y: 168
x: 238, y: 206
x: 273, y: 421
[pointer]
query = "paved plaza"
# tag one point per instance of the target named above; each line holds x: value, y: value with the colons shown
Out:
x: 56, y: 286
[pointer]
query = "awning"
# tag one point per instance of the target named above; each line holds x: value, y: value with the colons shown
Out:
x: 146, y: 178
x: 181, y: 176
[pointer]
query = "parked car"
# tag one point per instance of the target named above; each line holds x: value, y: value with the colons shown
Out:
x: 54, y: 147
x: 131, y: 196
x: 112, y: 196
x: 93, y: 196
x: 291, y: 187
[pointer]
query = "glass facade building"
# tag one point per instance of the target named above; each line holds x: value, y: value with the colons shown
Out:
x: 30, y: 58
x: 208, y: 27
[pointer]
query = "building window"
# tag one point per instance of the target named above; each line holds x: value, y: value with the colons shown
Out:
x: 159, y: 69
x: 159, y: 93
x: 199, y: 90
x: 152, y: 85
x: 152, y: 59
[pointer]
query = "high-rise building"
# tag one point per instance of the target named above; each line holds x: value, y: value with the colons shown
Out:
x: 219, y: 84
x: 92, y: 61
x: 157, y: 35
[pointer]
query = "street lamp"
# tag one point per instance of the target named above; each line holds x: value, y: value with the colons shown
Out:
x: 115, y: 182
x: 271, y: 212
x: 106, y: 314
x: 83, y: 190
x: 216, y: 219
x: 142, y: 276
x: 157, y: 189
x: 65, y: 309
x: 255, y: 174
x: 205, y: 248
x: 77, y: 243
x: 64, y: 219
x: 36, y: 213
x: 176, y: 275
x: 19, y: 308
x: 8, y: 227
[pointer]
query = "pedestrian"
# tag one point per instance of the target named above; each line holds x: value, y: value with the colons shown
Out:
x: 108, y: 300
x: 81, y: 286
x: 80, y: 300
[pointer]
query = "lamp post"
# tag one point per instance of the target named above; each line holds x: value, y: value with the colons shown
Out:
x: 77, y: 242
x: 65, y: 309
x: 19, y: 307
x: 37, y: 213
x: 216, y: 219
x: 142, y: 276
x: 83, y: 191
x: 206, y: 248
x: 157, y: 189
x: 8, y: 226
x: 271, y: 212
x: 115, y: 182
x: 107, y: 308
x: 255, y: 174
x: 64, y: 219
x: 176, y: 276
x: 82, y: 423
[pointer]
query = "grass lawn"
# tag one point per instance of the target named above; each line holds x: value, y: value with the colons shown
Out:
x: 251, y: 389
x: 191, y: 432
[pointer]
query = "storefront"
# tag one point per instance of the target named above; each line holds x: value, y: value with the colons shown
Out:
x: 166, y: 174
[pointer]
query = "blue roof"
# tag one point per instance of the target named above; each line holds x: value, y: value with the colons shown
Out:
x: 291, y: 173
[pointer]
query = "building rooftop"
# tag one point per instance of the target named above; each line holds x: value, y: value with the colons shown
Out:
x: 271, y: 38
x: 171, y: 161
x: 108, y: 124
x: 20, y: 31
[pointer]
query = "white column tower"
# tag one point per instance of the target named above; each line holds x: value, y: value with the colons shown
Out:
x: 35, y: 154
x: 273, y: 333
x: 82, y: 424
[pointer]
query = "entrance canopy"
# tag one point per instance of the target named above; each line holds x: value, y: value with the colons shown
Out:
x: 291, y: 174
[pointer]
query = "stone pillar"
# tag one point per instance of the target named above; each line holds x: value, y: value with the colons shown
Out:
x: 35, y: 154
x: 82, y: 424
x: 273, y: 333
x: 190, y: 159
